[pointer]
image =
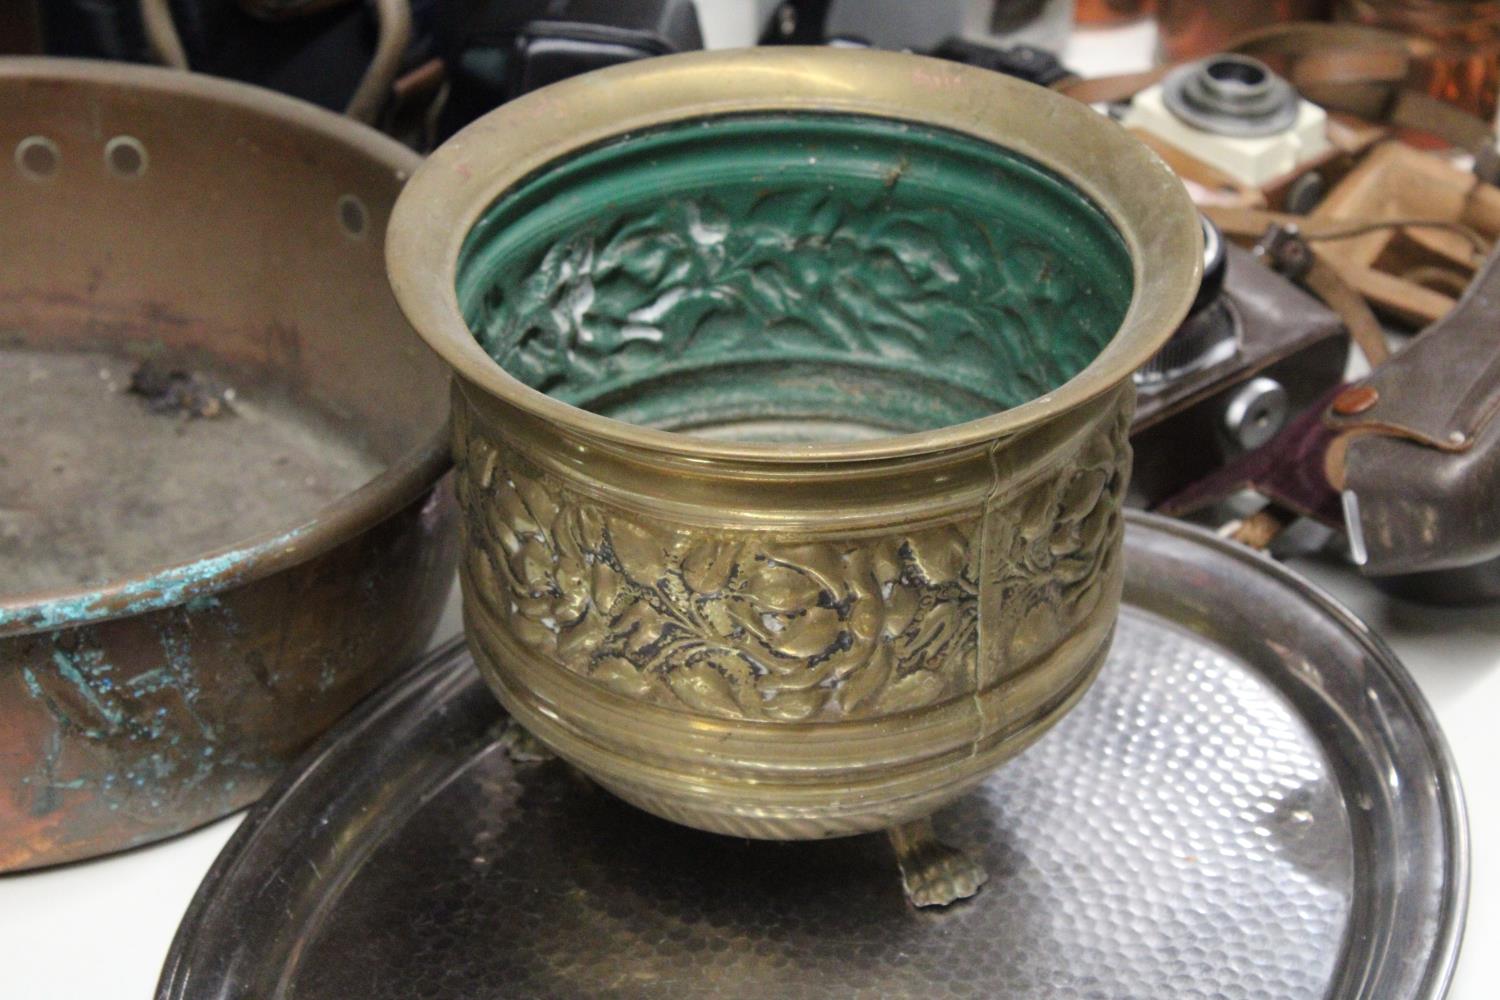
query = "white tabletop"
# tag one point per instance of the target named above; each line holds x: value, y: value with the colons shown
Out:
x: 99, y: 930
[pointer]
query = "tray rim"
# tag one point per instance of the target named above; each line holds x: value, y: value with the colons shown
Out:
x: 1451, y: 910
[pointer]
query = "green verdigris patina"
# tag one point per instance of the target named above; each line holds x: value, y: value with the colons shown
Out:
x: 786, y: 277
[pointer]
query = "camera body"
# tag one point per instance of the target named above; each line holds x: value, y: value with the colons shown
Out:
x: 496, y: 50
x: 1254, y: 351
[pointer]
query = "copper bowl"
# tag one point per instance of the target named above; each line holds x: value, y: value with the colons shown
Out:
x: 790, y: 420
x: 188, y: 600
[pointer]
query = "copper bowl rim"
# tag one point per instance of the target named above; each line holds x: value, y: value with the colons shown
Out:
x: 258, y: 556
x: 1144, y: 200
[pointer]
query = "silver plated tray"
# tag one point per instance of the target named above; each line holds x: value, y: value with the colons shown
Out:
x: 1252, y: 801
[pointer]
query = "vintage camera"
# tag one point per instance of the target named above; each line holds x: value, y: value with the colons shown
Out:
x: 1254, y: 350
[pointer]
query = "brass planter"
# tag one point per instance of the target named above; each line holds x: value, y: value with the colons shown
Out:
x: 790, y: 422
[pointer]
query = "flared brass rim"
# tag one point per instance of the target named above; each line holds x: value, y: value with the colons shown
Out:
x: 1130, y: 184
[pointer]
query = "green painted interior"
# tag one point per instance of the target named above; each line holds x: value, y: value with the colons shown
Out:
x: 794, y: 276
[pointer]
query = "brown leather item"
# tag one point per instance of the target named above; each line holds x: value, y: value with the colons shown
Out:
x: 1462, y: 65
x: 1207, y: 185
x: 1423, y: 460
x: 1285, y: 335
x: 1415, y: 228
x: 1371, y: 73
x: 1420, y: 509
x: 1323, y: 280
x: 1287, y: 470
x: 1286, y: 321
x: 1189, y: 29
x: 1445, y: 387
x: 1343, y: 67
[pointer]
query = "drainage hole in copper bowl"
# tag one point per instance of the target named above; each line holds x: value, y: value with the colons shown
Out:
x: 353, y: 216
x: 38, y: 157
x: 125, y: 157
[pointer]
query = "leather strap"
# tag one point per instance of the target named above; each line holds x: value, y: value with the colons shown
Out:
x: 1321, y: 279
x: 1417, y: 110
x: 1343, y: 67
x: 1418, y: 458
x: 1337, y: 294
x: 1339, y: 67
x: 1444, y: 387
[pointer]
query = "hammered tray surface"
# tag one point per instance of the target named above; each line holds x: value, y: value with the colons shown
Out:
x: 1184, y: 832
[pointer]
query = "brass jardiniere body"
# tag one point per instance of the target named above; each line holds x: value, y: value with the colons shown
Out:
x: 806, y: 638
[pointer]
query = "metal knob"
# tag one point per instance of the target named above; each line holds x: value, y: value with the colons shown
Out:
x: 1231, y: 95
x: 1255, y: 413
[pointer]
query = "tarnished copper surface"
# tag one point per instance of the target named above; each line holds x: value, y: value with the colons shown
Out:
x: 154, y: 213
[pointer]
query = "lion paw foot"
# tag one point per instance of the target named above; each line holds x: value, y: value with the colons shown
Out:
x: 521, y: 746
x: 932, y: 873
